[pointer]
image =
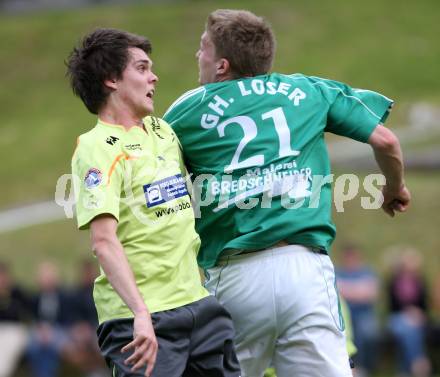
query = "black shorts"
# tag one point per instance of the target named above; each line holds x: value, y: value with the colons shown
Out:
x: 195, y: 340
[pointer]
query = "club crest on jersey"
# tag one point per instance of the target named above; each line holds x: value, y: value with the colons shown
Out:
x: 93, y: 178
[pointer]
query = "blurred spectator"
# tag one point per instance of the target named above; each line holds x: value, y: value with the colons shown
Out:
x: 358, y: 285
x: 83, y: 350
x: 435, y: 298
x: 49, y: 337
x: 408, y: 308
x: 14, y: 313
x: 82, y: 296
x: 434, y: 325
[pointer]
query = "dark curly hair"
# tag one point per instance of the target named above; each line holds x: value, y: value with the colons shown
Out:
x: 100, y: 55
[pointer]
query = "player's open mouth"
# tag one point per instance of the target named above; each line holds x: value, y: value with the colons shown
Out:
x: 150, y: 94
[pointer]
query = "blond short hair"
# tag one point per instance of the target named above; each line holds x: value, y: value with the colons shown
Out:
x: 244, y: 39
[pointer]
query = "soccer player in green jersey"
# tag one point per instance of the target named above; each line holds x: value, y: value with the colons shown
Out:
x: 254, y: 141
x: 155, y: 317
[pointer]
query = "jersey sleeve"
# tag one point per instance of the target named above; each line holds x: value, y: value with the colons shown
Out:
x: 353, y: 113
x: 97, y: 177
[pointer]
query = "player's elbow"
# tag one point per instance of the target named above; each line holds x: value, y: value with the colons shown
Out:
x: 103, y: 234
x: 102, y: 243
x: 382, y: 139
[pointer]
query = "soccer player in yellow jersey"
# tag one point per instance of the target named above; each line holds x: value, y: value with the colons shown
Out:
x: 131, y: 193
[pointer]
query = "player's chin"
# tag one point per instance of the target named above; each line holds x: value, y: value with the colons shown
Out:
x: 149, y: 107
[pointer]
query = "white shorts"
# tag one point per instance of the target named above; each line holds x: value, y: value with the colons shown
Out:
x: 286, y: 312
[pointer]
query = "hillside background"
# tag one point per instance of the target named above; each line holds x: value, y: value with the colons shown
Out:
x: 388, y: 46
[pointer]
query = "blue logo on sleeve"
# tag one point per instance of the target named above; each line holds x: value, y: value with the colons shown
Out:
x: 165, y: 190
x: 93, y: 178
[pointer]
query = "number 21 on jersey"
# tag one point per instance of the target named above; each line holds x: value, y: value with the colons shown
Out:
x: 249, y: 128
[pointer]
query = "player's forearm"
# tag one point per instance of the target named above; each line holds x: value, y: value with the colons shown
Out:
x: 391, y: 165
x: 388, y: 155
x: 113, y: 261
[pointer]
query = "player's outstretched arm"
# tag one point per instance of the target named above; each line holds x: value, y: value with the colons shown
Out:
x: 388, y: 155
x: 113, y: 261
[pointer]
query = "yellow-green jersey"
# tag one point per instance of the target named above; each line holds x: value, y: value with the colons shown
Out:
x: 351, y: 348
x: 138, y: 177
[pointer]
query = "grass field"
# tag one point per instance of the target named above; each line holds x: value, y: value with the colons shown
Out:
x: 387, y: 46
x: 371, y: 228
x: 380, y: 45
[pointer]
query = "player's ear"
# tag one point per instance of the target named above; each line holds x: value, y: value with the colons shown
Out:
x: 111, y: 83
x: 223, y: 67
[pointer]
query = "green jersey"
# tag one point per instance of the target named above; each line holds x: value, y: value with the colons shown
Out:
x: 138, y: 177
x: 257, y: 151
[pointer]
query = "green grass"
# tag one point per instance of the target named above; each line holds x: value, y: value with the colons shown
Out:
x: 387, y: 46
x: 374, y: 230
x: 380, y: 45
x: 60, y: 242
x: 377, y: 231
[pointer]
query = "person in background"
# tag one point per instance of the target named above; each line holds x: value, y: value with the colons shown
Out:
x: 407, y: 297
x: 83, y: 351
x: 434, y: 325
x: 49, y: 338
x: 15, y: 313
x: 358, y: 284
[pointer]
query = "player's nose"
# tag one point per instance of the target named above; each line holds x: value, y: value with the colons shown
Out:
x: 154, y: 78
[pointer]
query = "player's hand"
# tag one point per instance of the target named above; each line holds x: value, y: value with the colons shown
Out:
x: 144, y: 344
x: 395, y: 200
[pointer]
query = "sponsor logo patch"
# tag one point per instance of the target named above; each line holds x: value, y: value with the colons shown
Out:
x: 165, y: 190
x: 133, y: 147
x: 93, y: 178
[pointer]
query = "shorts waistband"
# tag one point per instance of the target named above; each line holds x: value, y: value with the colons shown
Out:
x: 281, y: 247
x: 230, y: 252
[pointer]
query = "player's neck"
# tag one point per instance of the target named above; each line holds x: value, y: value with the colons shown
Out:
x: 229, y: 76
x: 122, y: 117
x: 223, y: 77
